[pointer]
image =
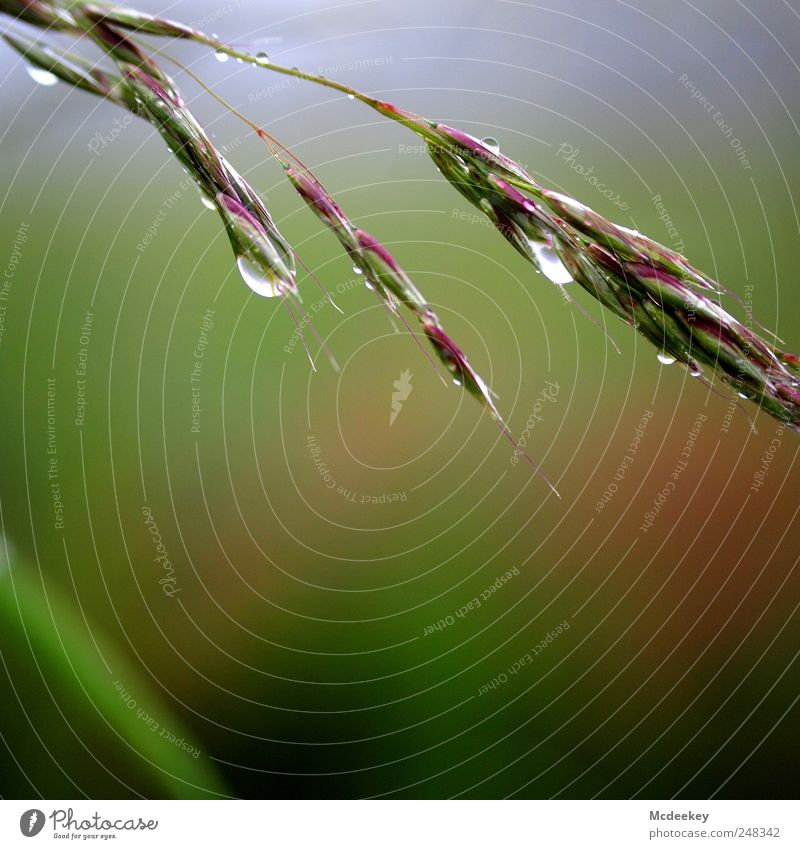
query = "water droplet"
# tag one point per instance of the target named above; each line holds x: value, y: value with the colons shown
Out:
x: 456, y: 381
x: 351, y: 97
x: 666, y: 359
x: 744, y: 395
x: 695, y: 372
x: 357, y: 270
x: 221, y: 56
x: 569, y: 202
x: 40, y: 76
x: 206, y: 200
x: 368, y: 284
x: 550, y: 264
x: 262, y: 58
x: 491, y: 143
x: 257, y: 280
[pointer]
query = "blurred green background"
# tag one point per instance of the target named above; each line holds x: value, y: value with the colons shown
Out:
x: 287, y: 647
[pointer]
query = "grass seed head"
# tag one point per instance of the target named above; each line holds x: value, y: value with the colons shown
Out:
x: 654, y: 289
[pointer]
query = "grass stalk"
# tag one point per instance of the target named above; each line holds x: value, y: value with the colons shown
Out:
x: 652, y: 288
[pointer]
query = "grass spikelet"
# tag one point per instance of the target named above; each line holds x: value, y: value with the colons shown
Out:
x: 652, y: 288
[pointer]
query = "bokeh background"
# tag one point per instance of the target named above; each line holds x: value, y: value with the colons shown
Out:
x: 304, y: 638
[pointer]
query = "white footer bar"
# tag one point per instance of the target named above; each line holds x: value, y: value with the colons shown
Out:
x: 396, y: 824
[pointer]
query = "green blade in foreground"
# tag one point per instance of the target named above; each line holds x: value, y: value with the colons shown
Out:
x: 78, y: 719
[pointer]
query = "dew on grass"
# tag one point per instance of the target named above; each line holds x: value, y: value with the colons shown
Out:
x: 40, y: 76
x: 254, y: 276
